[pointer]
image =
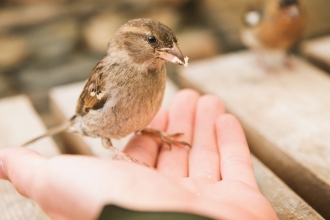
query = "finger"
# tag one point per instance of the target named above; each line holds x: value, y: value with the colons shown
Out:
x: 204, y: 156
x: 77, y: 187
x: 145, y: 148
x: 236, y: 163
x: 20, y: 172
x: 49, y: 182
x: 174, y: 162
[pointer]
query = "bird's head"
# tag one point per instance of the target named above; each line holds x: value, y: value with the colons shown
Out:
x: 148, y: 40
x: 288, y: 3
x: 290, y: 8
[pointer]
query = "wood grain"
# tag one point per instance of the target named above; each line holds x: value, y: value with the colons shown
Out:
x: 287, y: 204
x: 19, y: 123
x: 285, y: 115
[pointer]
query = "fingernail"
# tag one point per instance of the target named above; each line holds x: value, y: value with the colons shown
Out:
x: 2, y: 171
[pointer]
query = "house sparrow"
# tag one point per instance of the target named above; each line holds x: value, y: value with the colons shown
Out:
x: 273, y: 29
x: 126, y: 88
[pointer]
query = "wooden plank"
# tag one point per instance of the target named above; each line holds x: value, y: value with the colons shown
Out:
x: 317, y: 51
x: 285, y: 116
x: 285, y: 202
x: 19, y: 123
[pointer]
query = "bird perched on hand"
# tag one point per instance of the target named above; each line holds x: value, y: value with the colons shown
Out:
x: 126, y: 88
x: 273, y: 29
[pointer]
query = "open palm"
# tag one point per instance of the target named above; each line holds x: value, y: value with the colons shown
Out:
x: 214, y: 178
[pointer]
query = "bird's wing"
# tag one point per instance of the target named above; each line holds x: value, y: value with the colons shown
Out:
x: 94, y: 94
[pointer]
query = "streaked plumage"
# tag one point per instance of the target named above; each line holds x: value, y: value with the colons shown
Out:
x: 126, y: 88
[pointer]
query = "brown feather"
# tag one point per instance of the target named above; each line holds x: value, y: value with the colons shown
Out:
x: 95, y: 85
x: 279, y: 30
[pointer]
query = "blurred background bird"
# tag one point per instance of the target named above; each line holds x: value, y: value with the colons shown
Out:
x: 272, y: 29
x: 125, y: 89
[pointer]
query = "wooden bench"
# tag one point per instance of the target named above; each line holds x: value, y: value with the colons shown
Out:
x: 318, y: 51
x: 285, y: 114
x: 285, y: 202
x: 19, y: 123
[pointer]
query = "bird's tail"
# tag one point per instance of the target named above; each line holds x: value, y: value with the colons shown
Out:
x: 52, y: 131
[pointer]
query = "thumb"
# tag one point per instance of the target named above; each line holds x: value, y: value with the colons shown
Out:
x: 19, y: 166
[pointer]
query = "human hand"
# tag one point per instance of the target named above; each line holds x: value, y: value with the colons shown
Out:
x: 214, y: 178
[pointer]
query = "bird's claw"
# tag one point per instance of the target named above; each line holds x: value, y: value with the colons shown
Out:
x: 125, y: 157
x: 168, y: 139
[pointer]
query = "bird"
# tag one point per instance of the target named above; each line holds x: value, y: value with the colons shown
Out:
x: 125, y: 89
x: 273, y: 29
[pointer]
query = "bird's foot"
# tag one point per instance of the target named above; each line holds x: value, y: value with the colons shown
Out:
x: 124, y: 157
x: 288, y: 63
x: 119, y: 155
x: 265, y: 67
x: 169, y: 139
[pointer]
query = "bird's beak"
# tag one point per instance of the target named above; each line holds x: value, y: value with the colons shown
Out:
x: 173, y: 55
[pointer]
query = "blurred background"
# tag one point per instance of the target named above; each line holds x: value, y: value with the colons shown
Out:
x: 54, y: 42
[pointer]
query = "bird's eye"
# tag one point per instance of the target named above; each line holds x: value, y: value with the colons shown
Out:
x: 152, y: 39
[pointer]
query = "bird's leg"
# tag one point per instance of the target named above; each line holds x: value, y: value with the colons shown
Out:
x: 263, y: 62
x: 288, y: 62
x: 168, y: 139
x: 119, y: 155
